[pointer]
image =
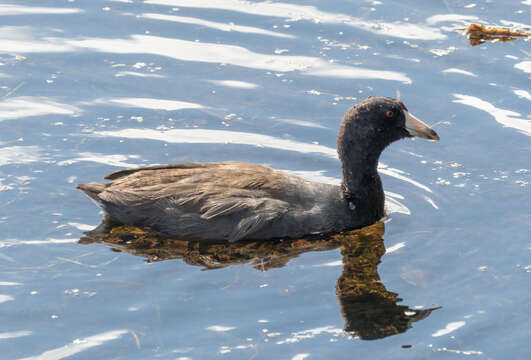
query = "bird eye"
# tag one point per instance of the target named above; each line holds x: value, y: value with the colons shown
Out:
x: 390, y: 114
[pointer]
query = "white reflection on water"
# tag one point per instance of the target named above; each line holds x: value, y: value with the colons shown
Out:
x: 15, y: 334
x: 394, y: 206
x: 525, y: 66
x: 24, y: 106
x: 399, y: 174
x: 459, y: 71
x: 82, y: 227
x: 24, y: 39
x: 5, y: 187
x: 505, y: 117
x: 230, y: 54
x: 450, y: 327
x: 6, y: 298
x: 295, y: 12
x: 522, y: 94
x: 330, y: 264
x: 431, y: 202
x: 15, y: 242
x: 435, y: 19
x: 515, y: 24
x: 303, y: 123
x: 203, y: 136
x: 349, y: 72
x: 19, y: 155
x: 216, y: 25
x: 462, y: 352
x: 11, y: 9
x: 312, y: 333
x: 220, y: 328
x: 113, y: 160
x: 78, y: 346
x: 235, y: 84
x: 395, y: 247
x: 134, y: 73
x: 149, y: 103
x: 300, y: 356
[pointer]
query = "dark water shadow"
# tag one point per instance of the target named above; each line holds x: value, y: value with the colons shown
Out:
x: 370, y: 311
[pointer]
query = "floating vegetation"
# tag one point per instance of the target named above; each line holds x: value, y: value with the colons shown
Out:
x: 478, y: 34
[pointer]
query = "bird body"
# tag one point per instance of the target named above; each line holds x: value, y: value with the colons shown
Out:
x: 234, y: 200
x: 223, y: 200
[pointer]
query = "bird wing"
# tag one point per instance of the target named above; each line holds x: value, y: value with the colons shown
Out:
x: 248, y: 196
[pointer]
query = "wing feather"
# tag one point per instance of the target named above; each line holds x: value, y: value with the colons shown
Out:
x: 224, y: 207
x: 244, y: 195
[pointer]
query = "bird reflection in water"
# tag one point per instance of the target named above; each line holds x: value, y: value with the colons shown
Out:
x: 370, y: 311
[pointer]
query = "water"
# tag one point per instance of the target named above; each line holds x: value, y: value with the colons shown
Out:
x: 91, y: 87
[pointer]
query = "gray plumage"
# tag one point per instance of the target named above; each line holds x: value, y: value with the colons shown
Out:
x: 233, y: 200
x: 214, y: 201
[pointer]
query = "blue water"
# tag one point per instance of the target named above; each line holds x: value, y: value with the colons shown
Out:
x: 90, y: 87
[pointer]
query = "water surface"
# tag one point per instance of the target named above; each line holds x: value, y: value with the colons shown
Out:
x: 89, y: 87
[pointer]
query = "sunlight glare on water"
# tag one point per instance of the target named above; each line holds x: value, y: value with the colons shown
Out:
x: 91, y: 87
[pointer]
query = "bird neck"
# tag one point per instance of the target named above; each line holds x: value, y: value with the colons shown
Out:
x: 360, y: 175
x: 362, y: 191
x: 361, y: 187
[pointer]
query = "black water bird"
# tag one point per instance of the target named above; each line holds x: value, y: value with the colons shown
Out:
x: 234, y: 200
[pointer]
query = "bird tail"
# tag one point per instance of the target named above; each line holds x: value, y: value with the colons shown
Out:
x: 92, y: 190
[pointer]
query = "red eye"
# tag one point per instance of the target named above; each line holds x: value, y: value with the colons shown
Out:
x: 390, y: 114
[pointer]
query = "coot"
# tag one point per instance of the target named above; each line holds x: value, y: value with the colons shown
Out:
x: 234, y: 200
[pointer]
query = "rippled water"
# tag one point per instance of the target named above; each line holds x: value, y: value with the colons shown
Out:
x: 89, y: 87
